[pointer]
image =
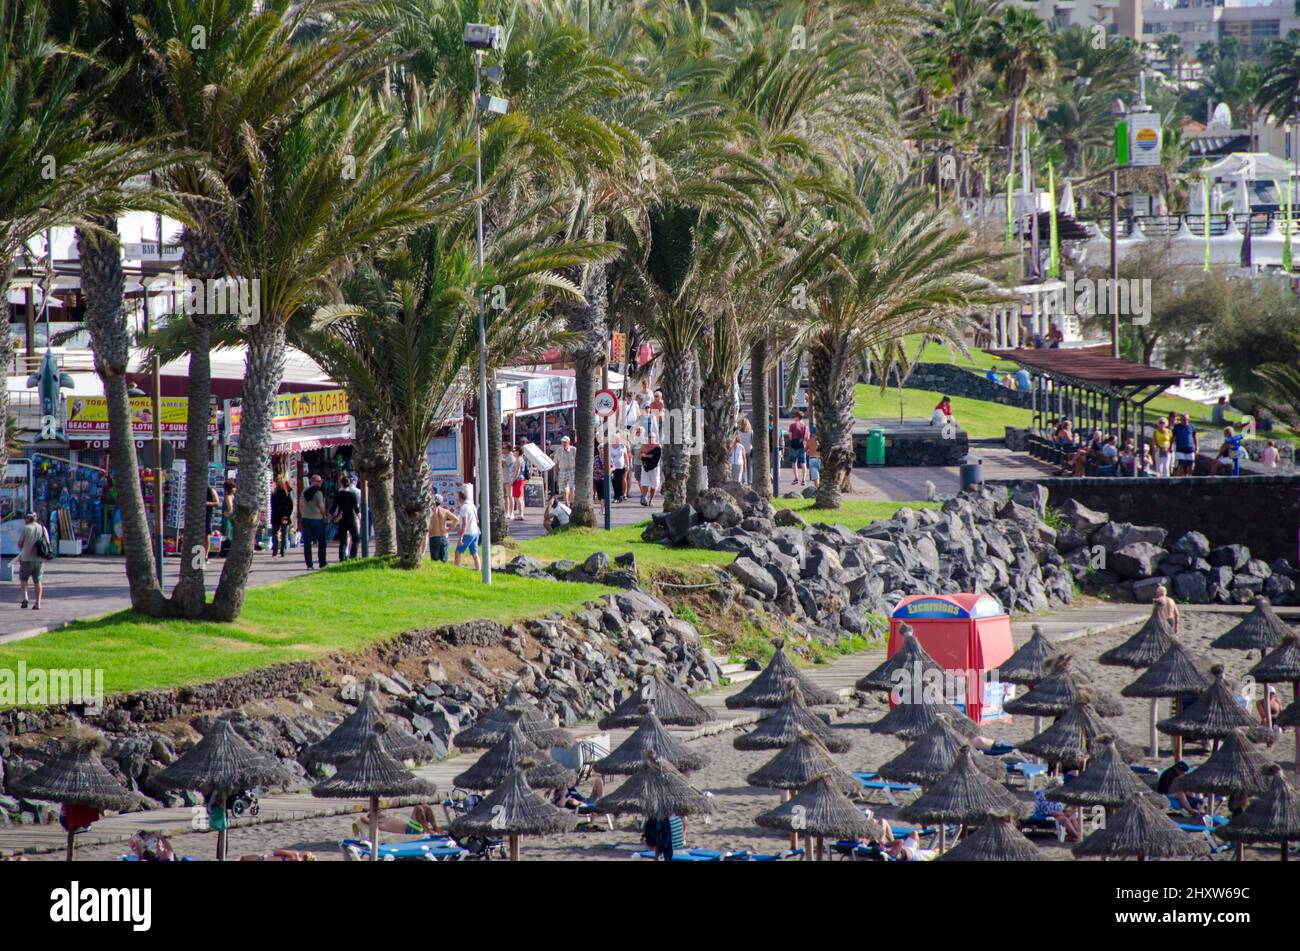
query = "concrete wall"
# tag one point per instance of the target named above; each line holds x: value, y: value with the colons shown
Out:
x: 958, y: 382
x: 1261, y: 512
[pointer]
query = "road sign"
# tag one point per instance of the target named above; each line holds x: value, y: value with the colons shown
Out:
x: 606, y: 403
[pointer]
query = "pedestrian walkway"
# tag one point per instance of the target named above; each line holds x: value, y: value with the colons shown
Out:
x: 838, y: 676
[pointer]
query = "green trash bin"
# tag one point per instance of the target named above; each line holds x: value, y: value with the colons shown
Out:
x: 876, y: 447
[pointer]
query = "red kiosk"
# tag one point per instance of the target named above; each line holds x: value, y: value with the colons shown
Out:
x: 967, y: 634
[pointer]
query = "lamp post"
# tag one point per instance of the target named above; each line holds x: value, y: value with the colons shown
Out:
x: 480, y: 37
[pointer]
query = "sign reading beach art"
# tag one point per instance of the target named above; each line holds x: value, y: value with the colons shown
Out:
x: 88, y: 417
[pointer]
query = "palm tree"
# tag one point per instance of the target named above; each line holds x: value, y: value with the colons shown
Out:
x: 1171, y: 48
x: 1020, y: 50
x: 1281, y: 79
x: 901, y: 268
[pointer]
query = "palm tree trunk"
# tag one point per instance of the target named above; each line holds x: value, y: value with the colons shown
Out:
x: 1011, y: 139
x: 202, y: 261
x: 762, y: 449
x: 830, y: 392
x: 676, y: 436
x: 372, y: 454
x: 263, y: 371
x: 6, y: 358
x: 413, y: 503
x: 695, y: 475
x: 497, y: 499
x: 103, y: 282
x: 718, y: 401
x: 588, y: 319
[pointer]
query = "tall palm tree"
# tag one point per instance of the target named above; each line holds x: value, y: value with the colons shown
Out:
x: 1171, y: 48
x: 1281, y: 79
x: 1020, y: 51
x: 901, y: 268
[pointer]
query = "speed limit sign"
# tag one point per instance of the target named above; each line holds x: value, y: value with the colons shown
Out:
x: 606, y: 403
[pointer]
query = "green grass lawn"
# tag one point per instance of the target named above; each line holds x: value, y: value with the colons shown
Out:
x: 981, y: 419
x: 345, y: 607
x: 852, y: 513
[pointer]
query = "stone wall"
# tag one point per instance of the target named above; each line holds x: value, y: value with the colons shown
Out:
x: 959, y: 382
x: 923, y: 447
x: 1261, y: 512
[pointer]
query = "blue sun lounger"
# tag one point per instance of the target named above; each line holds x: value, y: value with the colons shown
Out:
x: 889, y: 790
x: 744, y: 856
x: 690, y: 855
x: 1031, y: 772
x: 438, y: 848
x: 999, y: 748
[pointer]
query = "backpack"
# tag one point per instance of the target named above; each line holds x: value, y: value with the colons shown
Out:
x: 43, y: 547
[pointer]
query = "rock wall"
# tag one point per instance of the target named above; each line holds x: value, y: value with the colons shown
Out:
x: 958, y: 382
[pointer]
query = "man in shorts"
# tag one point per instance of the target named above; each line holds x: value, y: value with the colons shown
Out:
x: 31, y: 566
x: 566, y: 462
x: 1185, y: 445
x: 469, y: 533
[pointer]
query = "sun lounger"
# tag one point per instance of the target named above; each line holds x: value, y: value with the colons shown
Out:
x: 438, y: 848
x: 130, y: 857
x: 691, y: 855
x: 999, y: 749
x: 745, y: 856
x: 1030, y: 772
x: 891, y: 791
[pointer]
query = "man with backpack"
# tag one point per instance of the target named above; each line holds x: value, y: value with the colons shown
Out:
x: 34, y: 549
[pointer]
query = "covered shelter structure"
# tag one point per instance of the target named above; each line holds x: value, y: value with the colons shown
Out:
x: 1092, y: 388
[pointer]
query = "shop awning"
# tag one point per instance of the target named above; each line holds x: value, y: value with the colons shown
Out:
x: 305, y: 440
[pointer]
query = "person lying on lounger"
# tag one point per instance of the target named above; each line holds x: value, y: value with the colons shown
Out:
x: 422, y: 822
x: 573, y: 799
x: 1165, y: 786
x: 279, y: 855
x: 1045, y: 808
x: 151, y: 847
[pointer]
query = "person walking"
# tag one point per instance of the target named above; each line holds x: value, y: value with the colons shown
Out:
x: 467, y: 540
x: 227, y: 517
x: 598, y: 470
x: 516, y: 474
x: 314, y: 515
x: 346, y: 514
x: 618, y: 467
x: 566, y: 462
x: 441, y: 521
x: 281, y: 514
x: 635, y: 442
x: 1186, y: 445
x: 651, y: 453
x: 1163, y: 438
x: 34, y: 549
x: 1269, y: 456
x: 747, y: 441
x: 795, y: 442
x: 737, y: 459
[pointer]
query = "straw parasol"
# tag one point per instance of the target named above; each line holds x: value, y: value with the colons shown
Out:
x: 798, y: 764
x: 1106, y: 782
x: 350, y: 737
x: 910, y: 661
x: 77, y: 778
x: 650, y: 735
x: 779, y: 730
x: 932, y: 755
x: 1069, y: 741
x: 495, y: 766
x: 821, y: 811
x: 998, y: 840
x: 1178, y: 673
x: 672, y: 704
x: 655, y: 791
x: 1261, y: 629
x: 1237, y: 767
x: 907, y: 721
x: 768, y: 688
x: 513, y: 810
x: 1030, y: 663
x: 964, y: 795
x: 1145, y: 647
x: 1281, y: 666
x: 490, y: 727
x: 222, y: 763
x: 1215, y: 715
x: 1056, y: 692
x: 1141, y: 830
x: 1273, y: 816
x: 372, y: 773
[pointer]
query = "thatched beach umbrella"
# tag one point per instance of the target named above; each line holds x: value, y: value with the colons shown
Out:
x: 998, y: 840
x: 495, y: 766
x: 820, y: 811
x: 492, y: 725
x: 1145, y: 647
x: 370, y: 774
x: 1059, y: 690
x: 1070, y: 740
x: 1290, y: 717
x: 673, y: 706
x: 350, y: 737
x: 1215, y: 715
x: 1107, y: 781
x: 220, y: 764
x: 1141, y: 830
x: 768, y: 688
x: 76, y: 777
x: 964, y: 795
x: 1282, y: 666
x: 1237, y: 767
x: 1273, y: 816
x: 782, y: 728
x: 1178, y: 673
x: 655, y: 791
x: 907, y: 721
x: 910, y: 663
x: 513, y: 810
x: 798, y: 764
x: 1030, y: 663
x: 1261, y: 629
x: 932, y: 755
x: 628, y: 757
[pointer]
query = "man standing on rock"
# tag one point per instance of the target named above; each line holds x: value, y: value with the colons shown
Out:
x: 1186, y: 445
